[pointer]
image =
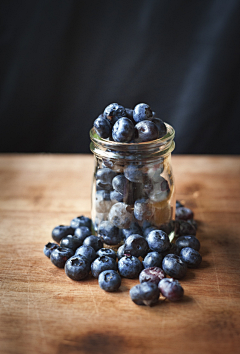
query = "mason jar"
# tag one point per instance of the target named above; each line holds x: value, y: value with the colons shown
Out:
x: 133, y: 186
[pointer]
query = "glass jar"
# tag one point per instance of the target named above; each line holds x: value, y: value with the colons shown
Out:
x: 133, y: 185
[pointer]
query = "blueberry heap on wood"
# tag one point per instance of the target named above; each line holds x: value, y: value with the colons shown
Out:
x: 146, y: 253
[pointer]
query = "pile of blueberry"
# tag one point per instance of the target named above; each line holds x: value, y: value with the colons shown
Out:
x: 126, y: 125
x: 146, y: 252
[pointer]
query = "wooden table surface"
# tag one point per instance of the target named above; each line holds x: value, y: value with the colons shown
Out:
x: 43, y: 311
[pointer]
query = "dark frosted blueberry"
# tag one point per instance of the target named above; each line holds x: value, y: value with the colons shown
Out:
x: 145, y: 294
x: 102, y: 201
x: 171, y: 289
x: 184, y: 228
x: 49, y: 247
x: 136, y: 245
x: 77, y: 267
x: 162, y: 129
x: 104, y: 178
x: 120, y: 216
x: 142, y: 210
x: 174, y: 266
x: 120, y: 184
x: 152, y: 259
x: 168, y: 227
x: 60, y: 255
x: 152, y: 275
x: 188, y: 241
x: 193, y: 223
x: 116, y: 196
x: 183, y: 213
x: 133, y: 229
x: 129, y: 267
x: 107, y: 252
x: 82, y: 232
x: 113, y: 112
x: 146, y: 131
x: 191, y: 257
x: 146, y: 224
x: 120, y: 252
x: 103, y: 186
x: 61, y: 231
x: 123, y: 130
x: 134, y: 173
x: 109, y: 233
x: 71, y: 241
x: 129, y: 113
x: 102, y: 263
x: 103, y: 127
x: 179, y: 204
x: 173, y: 249
x: 147, y: 231
x: 142, y: 111
x: 94, y: 241
x: 81, y: 221
x: 158, y: 241
x: 86, y: 251
x: 109, y: 280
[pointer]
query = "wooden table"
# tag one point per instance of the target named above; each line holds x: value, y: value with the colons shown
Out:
x: 43, y: 311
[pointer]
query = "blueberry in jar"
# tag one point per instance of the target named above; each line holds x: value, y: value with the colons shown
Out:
x: 136, y: 245
x: 146, y: 130
x: 104, y: 178
x: 77, y: 267
x: 81, y: 221
x: 174, y: 266
x: 142, y: 210
x: 142, y: 111
x: 123, y: 130
x: 86, y: 251
x: 152, y: 275
x: 120, y: 216
x: 93, y: 241
x: 107, y: 252
x: 102, y: 263
x: 103, y: 127
x: 162, y: 129
x: 116, y: 196
x: 71, y: 241
x: 109, y: 233
x: 82, y: 232
x: 158, y: 241
x: 188, y: 241
x: 60, y: 255
x: 134, y: 173
x: 171, y: 289
x: 102, y: 201
x: 49, y: 247
x: 129, y: 267
x: 152, y: 259
x: 109, y: 280
x: 145, y: 294
x: 61, y: 231
x: 191, y: 257
x: 120, y: 184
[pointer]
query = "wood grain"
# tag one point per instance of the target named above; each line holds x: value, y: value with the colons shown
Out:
x: 43, y: 311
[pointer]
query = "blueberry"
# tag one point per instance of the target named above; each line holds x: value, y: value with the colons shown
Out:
x: 174, y: 266
x: 60, y: 255
x: 179, y: 204
x: 107, y: 252
x: 193, y: 223
x: 171, y: 289
x: 82, y: 232
x: 134, y: 228
x: 154, y: 173
x: 188, y: 241
x: 136, y: 245
x: 116, y: 196
x: 104, y: 186
x: 113, y: 112
x: 184, y: 228
x: 77, y: 267
x: 102, y: 263
x: 183, y: 213
x: 129, y: 113
x: 61, y: 231
x: 93, y: 241
x: 152, y: 259
x: 109, y: 233
x: 191, y: 257
x: 158, y: 241
x: 120, y: 216
x: 81, y: 221
x: 103, y: 127
x: 152, y: 275
x: 123, y: 130
x: 142, y: 111
x: 160, y: 190
x: 162, y: 129
x: 109, y: 280
x: 134, y: 173
x: 49, y: 247
x: 145, y: 294
x: 104, y: 178
x: 142, y: 210
x: 120, y: 184
x: 71, y: 241
x: 147, y: 230
x: 146, y: 131
x: 86, y: 251
x: 129, y: 267
x: 146, y: 224
x: 173, y: 249
x: 102, y: 201
x: 120, y: 252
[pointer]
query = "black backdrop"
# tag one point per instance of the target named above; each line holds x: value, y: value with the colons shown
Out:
x: 62, y: 62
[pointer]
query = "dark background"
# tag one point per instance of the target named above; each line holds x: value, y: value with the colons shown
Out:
x: 62, y: 62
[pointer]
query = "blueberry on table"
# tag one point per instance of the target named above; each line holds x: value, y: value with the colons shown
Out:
x: 123, y: 130
x: 120, y: 252
x: 171, y: 289
x: 142, y: 111
x: 129, y: 267
x: 93, y: 241
x: 61, y: 231
x: 107, y: 252
x: 60, y: 255
x: 77, y: 267
x: 152, y: 275
x: 102, y: 263
x: 191, y: 257
x: 145, y: 294
x: 174, y: 266
x: 71, y: 241
x: 120, y: 216
x: 179, y: 204
x: 109, y: 233
x: 49, y: 247
x: 142, y: 210
x: 103, y: 127
x: 113, y: 112
x: 134, y: 173
x: 134, y: 228
x: 184, y: 228
x: 158, y: 241
x: 81, y: 221
x: 147, y: 230
x: 146, y: 130
x: 109, y: 280
x: 152, y: 259
x: 188, y: 241
x: 183, y: 213
x: 82, y: 232
x: 173, y: 249
x: 136, y: 245
x: 86, y: 251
